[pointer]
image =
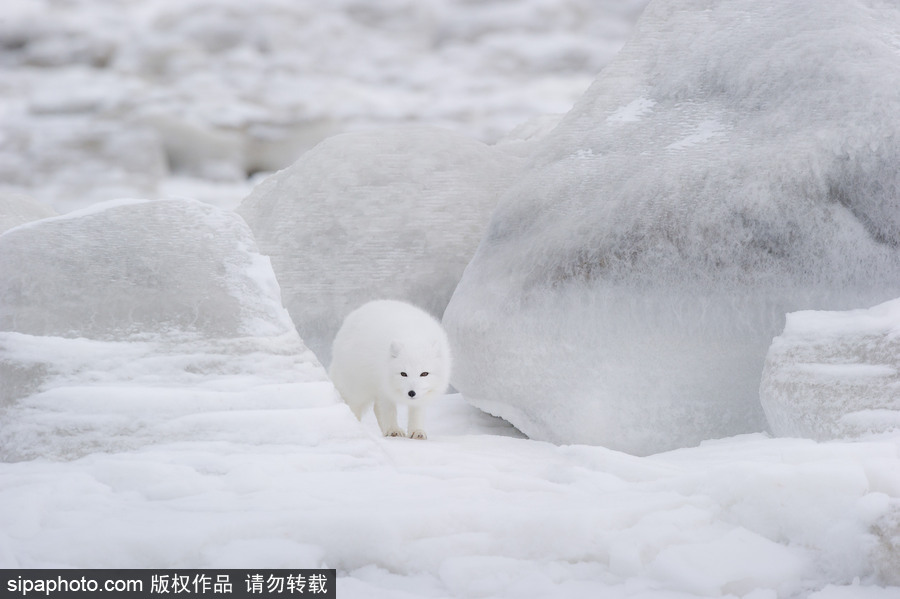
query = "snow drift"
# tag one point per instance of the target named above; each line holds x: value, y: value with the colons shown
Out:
x: 377, y: 214
x: 64, y: 398
x: 835, y: 374
x: 735, y: 162
x: 273, y: 475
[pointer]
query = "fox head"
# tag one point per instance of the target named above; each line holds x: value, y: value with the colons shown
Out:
x: 417, y: 372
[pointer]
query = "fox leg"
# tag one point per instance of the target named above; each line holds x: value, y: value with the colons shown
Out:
x: 417, y: 422
x: 386, y: 415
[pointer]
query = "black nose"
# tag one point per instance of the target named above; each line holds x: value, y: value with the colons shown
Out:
x: 412, y: 393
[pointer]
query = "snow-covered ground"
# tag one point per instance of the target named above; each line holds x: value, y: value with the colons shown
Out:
x: 165, y: 469
x: 169, y: 451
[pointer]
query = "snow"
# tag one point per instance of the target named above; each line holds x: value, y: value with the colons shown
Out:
x: 265, y: 467
x: 633, y: 112
x: 733, y: 163
x: 389, y: 213
x: 138, y: 438
x: 111, y: 99
x: 835, y: 374
x: 66, y: 398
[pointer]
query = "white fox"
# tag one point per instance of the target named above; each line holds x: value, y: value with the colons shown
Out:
x: 390, y: 353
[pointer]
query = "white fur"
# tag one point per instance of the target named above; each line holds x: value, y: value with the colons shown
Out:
x: 376, y: 343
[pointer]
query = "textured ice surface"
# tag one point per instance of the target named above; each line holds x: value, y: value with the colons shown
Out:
x: 834, y: 374
x: 735, y: 161
x: 138, y: 267
x: 379, y: 214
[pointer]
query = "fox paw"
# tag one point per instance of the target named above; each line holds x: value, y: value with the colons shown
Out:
x: 394, y: 432
x: 418, y: 435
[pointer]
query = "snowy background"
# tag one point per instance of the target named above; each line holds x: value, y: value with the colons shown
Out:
x: 106, y: 99
x: 159, y: 410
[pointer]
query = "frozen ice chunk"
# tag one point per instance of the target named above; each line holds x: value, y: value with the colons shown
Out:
x: 138, y: 267
x: 736, y: 161
x: 834, y: 374
x: 522, y: 139
x: 17, y: 208
x: 135, y: 322
x: 376, y: 214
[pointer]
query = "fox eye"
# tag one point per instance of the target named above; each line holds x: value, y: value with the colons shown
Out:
x: 424, y: 374
x: 402, y: 374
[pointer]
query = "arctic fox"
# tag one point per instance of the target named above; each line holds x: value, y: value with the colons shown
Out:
x: 390, y: 353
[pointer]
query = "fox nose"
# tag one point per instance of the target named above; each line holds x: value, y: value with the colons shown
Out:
x: 412, y: 393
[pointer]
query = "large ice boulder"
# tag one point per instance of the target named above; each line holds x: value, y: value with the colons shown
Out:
x: 138, y: 267
x: 735, y: 162
x: 17, y: 208
x: 834, y: 374
x: 391, y: 213
x: 138, y: 322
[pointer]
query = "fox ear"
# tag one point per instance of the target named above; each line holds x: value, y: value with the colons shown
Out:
x: 396, y: 348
